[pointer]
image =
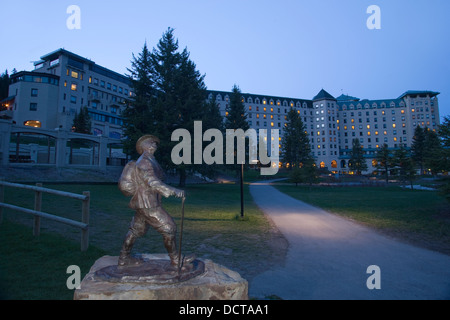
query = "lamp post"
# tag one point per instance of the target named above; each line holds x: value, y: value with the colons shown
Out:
x: 242, y: 190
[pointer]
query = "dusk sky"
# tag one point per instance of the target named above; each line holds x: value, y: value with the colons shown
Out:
x: 280, y: 48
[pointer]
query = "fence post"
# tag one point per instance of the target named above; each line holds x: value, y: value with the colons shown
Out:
x: 37, y: 207
x: 2, y: 198
x: 85, y: 219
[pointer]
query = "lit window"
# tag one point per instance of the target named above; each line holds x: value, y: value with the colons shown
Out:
x: 368, y: 126
x: 394, y: 125
x: 74, y: 74
x: 73, y: 87
x: 32, y: 123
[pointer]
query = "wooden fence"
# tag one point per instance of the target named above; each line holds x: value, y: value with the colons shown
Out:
x: 38, y: 214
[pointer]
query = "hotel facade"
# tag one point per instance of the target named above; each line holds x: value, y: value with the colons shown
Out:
x: 332, y: 123
x: 62, y: 83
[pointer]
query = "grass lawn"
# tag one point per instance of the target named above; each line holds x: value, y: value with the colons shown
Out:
x: 421, y: 217
x: 35, y: 268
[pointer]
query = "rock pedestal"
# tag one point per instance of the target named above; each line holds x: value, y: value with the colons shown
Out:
x: 216, y: 283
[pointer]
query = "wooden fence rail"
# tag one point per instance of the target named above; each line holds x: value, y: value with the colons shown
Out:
x: 38, y: 214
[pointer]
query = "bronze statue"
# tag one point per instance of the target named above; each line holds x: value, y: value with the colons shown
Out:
x: 143, y: 180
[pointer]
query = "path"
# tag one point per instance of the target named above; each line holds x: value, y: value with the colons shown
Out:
x: 328, y: 257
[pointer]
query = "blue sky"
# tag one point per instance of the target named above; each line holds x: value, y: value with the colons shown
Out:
x: 288, y: 48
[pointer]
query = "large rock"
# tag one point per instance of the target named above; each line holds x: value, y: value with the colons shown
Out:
x: 216, y: 283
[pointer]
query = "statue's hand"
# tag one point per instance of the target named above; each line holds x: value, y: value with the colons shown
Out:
x: 180, y: 194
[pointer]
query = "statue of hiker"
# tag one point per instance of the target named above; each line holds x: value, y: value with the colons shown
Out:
x: 143, y: 181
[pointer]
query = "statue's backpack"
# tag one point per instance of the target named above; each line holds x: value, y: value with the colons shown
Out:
x: 127, y: 181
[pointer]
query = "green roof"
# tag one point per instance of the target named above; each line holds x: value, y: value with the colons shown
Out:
x: 323, y: 95
x: 418, y: 92
x: 344, y: 97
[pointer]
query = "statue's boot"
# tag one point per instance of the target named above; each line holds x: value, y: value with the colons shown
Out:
x: 185, y: 260
x: 125, y: 259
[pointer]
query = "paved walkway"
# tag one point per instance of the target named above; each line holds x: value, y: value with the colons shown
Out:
x: 328, y: 257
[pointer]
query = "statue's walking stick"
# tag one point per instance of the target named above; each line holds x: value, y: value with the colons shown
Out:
x: 181, y: 236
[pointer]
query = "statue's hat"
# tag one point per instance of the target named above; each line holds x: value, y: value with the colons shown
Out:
x: 145, y: 138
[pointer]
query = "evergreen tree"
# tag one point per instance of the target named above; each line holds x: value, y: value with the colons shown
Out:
x: 136, y: 115
x: 444, y: 132
x: 418, y: 147
x: 4, y: 85
x: 82, y: 122
x: 169, y: 94
x: 236, y: 114
x: 444, y: 135
x: 357, y: 162
x: 236, y: 118
x: 403, y: 161
x: 384, y: 160
x: 295, y: 143
x: 433, y: 153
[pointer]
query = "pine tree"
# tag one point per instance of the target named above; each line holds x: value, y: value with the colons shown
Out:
x: 136, y: 115
x: 236, y: 114
x: 296, y: 149
x: 433, y: 153
x: 384, y: 160
x: 418, y: 147
x: 169, y: 94
x: 82, y: 122
x: 444, y: 135
x: 403, y: 161
x: 357, y: 162
x: 4, y: 85
x: 236, y: 118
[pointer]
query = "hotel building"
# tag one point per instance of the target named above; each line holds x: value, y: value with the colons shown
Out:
x: 63, y: 82
x: 333, y: 123
x: 60, y: 85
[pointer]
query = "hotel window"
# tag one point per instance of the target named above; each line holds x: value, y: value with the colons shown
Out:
x: 102, y: 83
x: 73, y: 99
x: 90, y: 79
x: 73, y: 87
x: 34, y: 92
x: 74, y: 74
x: 33, y: 106
x: 32, y: 123
x: 108, y: 86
